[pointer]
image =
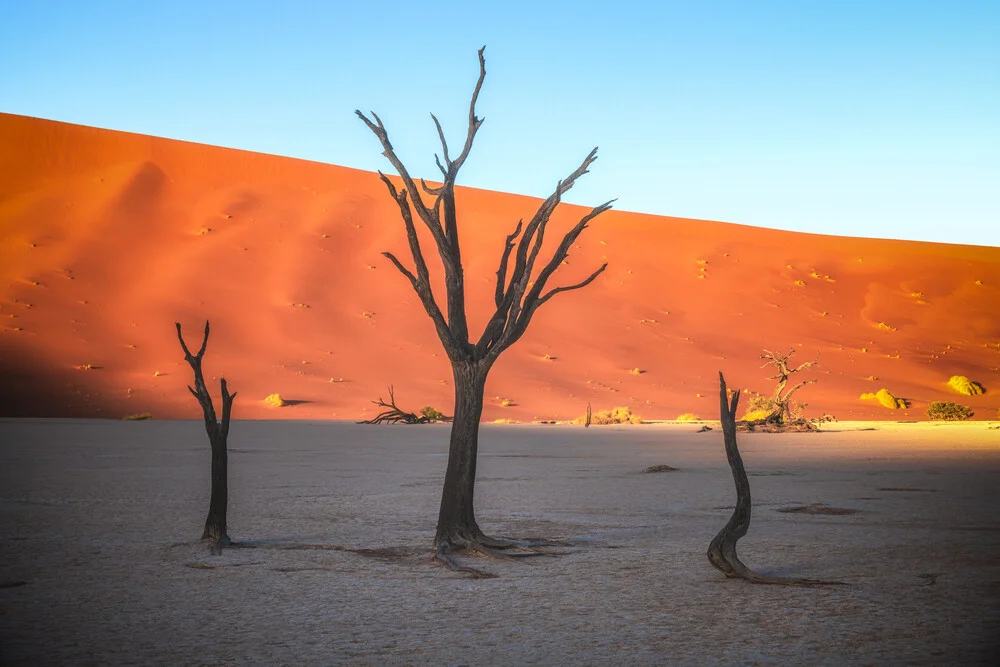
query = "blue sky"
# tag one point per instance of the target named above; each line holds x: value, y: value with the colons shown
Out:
x: 857, y: 118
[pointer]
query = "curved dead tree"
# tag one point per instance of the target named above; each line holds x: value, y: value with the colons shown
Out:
x: 722, y: 550
x: 518, y: 294
x: 218, y: 434
x: 782, y: 412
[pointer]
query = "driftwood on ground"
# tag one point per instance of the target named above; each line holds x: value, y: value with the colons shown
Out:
x: 394, y: 415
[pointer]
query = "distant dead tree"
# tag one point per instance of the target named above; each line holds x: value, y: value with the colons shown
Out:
x: 722, y: 550
x: 782, y: 412
x: 218, y: 434
x: 394, y: 415
x: 517, y: 296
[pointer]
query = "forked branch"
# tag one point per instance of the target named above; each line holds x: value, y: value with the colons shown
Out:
x: 517, y: 294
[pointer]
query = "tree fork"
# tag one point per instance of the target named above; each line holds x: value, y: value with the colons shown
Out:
x: 218, y: 434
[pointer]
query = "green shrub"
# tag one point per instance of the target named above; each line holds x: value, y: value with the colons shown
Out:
x: 948, y: 411
x: 431, y: 413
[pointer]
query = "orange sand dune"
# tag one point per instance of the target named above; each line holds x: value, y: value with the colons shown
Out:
x: 108, y: 238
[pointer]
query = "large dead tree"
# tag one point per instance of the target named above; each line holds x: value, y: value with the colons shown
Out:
x: 218, y: 434
x: 518, y: 294
x: 722, y: 549
x: 782, y: 412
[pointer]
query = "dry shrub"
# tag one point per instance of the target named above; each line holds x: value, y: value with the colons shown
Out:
x: 885, y: 397
x: 275, y: 401
x: 139, y: 417
x: 759, y: 407
x: 620, y: 415
x: 948, y: 411
x: 868, y: 396
x: 964, y: 385
x: 688, y: 417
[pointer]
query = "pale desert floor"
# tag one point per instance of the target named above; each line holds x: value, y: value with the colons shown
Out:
x: 101, y: 521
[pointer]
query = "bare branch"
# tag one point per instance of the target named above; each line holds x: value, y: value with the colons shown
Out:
x: 423, y: 290
x: 402, y: 269
x: 502, y: 270
x: 578, y: 285
x: 474, y: 122
x: 434, y: 192
x: 428, y: 217
x: 560, y: 254
x: 444, y: 147
x: 524, y: 264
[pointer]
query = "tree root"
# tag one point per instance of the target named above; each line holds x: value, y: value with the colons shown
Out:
x: 493, y: 547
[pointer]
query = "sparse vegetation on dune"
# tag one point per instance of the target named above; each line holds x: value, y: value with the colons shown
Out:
x: 688, y: 417
x: 275, y: 401
x: 965, y: 386
x: 948, y: 411
x: 142, y: 416
x: 619, y: 415
x: 886, y: 398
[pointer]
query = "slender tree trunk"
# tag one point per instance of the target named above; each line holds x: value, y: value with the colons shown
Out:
x: 215, y: 524
x: 457, y: 519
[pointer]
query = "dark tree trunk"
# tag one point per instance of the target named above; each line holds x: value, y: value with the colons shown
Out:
x: 457, y: 525
x: 215, y: 524
x: 218, y: 435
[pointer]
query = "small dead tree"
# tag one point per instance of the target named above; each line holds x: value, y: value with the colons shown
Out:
x: 218, y: 434
x: 518, y: 295
x: 782, y: 412
x: 393, y: 414
x: 722, y: 550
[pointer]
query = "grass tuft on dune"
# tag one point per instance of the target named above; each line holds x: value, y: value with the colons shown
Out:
x: 965, y: 386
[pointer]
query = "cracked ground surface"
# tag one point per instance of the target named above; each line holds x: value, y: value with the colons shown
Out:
x: 100, y: 562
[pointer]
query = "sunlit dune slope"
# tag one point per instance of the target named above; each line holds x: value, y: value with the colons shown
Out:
x: 109, y: 238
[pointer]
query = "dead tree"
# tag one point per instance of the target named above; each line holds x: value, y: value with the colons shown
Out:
x: 518, y: 295
x: 782, y: 413
x: 722, y: 550
x: 218, y: 434
x: 394, y: 415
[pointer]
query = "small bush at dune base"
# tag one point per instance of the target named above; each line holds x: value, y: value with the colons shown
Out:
x: 431, y: 413
x: 275, y: 401
x: 136, y: 418
x: 620, y: 415
x: 948, y: 411
x: 688, y: 417
x: 964, y: 385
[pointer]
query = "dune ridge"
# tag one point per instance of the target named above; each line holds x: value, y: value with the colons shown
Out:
x: 109, y: 237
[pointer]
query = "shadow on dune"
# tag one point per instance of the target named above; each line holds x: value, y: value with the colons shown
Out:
x: 29, y: 387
